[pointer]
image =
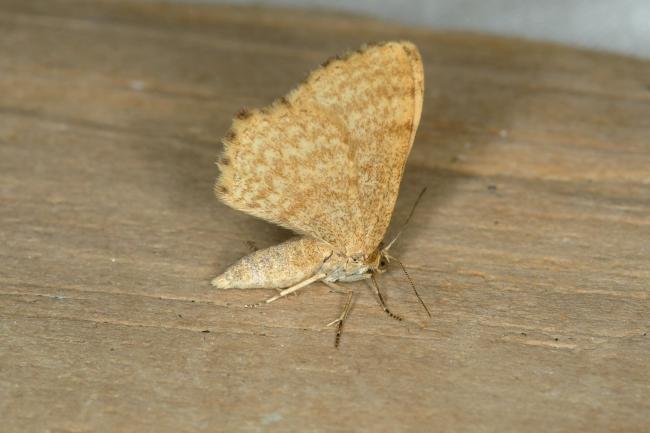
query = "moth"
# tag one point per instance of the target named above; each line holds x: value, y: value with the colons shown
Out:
x: 325, y: 161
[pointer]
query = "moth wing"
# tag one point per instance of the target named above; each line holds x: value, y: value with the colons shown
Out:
x: 327, y: 160
x: 291, y: 165
x: 377, y: 93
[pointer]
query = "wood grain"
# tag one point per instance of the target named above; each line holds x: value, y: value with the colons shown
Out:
x: 531, y: 246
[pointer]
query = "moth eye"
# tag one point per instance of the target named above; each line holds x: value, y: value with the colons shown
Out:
x: 382, y: 263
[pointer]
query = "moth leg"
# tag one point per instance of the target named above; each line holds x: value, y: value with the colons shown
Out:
x: 298, y: 286
x: 381, y: 300
x: 344, y: 313
x: 287, y: 291
x: 336, y: 288
x: 280, y: 291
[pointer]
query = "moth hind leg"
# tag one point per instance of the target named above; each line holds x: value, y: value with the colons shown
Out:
x: 296, y: 287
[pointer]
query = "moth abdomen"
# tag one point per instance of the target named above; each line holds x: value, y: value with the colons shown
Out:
x: 276, y: 267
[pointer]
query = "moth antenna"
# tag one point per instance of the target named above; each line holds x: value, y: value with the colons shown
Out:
x: 390, y: 244
x: 412, y: 285
x: 381, y: 300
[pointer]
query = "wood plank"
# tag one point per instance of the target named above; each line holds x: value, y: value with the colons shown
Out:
x: 531, y: 246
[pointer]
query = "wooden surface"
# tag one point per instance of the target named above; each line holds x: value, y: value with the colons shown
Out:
x: 531, y: 247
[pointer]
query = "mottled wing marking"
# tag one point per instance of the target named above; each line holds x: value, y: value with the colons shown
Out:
x: 377, y: 91
x: 291, y: 165
x: 327, y: 159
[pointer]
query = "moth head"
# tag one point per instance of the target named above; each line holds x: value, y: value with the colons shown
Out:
x: 382, y: 264
x: 378, y: 261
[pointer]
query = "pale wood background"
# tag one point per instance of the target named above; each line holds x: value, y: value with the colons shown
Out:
x: 531, y: 246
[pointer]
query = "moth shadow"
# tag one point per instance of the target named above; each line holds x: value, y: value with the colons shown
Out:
x: 470, y: 114
x: 180, y: 177
x: 474, y: 102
